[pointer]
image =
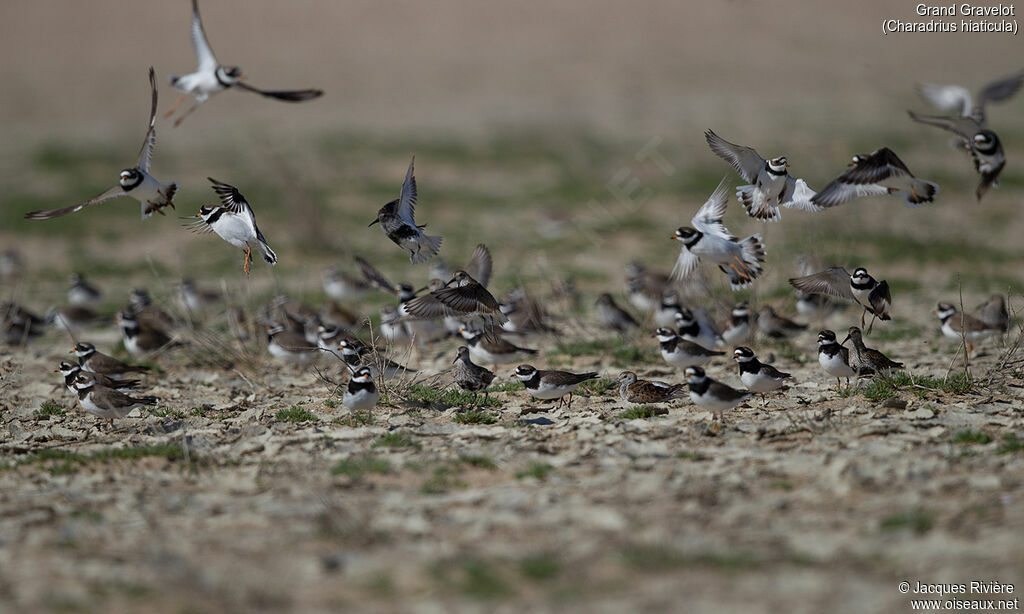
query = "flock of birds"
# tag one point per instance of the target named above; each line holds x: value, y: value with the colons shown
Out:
x: 459, y: 304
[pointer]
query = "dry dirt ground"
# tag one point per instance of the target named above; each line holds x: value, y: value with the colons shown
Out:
x: 250, y: 488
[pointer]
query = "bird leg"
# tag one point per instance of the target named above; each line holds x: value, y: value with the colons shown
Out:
x: 569, y: 404
x: 872, y: 324
x: 862, y: 316
x: 178, y: 121
x: 248, y: 258
x: 174, y: 107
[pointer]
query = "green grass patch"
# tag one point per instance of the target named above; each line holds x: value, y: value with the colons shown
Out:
x: 474, y: 417
x: 480, y: 462
x: 1011, y: 445
x: 356, y: 467
x: 164, y: 412
x: 637, y: 412
x: 49, y: 408
x: 882, y: 388
x: 507, y: 387
x: 428, y: 395
x: 58, y: 461
x: 598, y: 387
x: 535, y: 470
x: 918, y: 520
x: 295, y: 413
x: 967, y: 436
x: 690, y: 455
x: 656, y: 557
x: 396, y: 439
x: 539, y: 567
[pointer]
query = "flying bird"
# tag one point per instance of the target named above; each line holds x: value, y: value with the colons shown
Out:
x: 467, y: 297
x: 771, y: 184
x: 957, y: 99
x: 234, y: 221
x: 135, y: 182
x: 396, y: 218
x: 710, y: 240
x: 875, y: 174
x: 860, y: 287
x: 979, y: 142
x: 210, y: 77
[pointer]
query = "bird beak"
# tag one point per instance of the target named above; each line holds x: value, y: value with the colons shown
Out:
x: 672, y: 238
x: 449, y: 282
x: 199, y: 215
x: 845, y: 340
x: 455, y: 360
x: 373, y: 222
x: 72, y: 351
x: 422, y: 289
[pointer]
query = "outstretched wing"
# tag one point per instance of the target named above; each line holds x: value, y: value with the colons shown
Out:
x: 839, y: 192
x: 374, y: 277
x: 480, y: 265
x: 744, y: 159
x: 146, y: 153
x: 879, y: 166
x: 49, y: 214
x: 230, y: 196
x: 685, y: 263
x: 285, y: 95
x: 834, y: 281
x: 407, y: 200
x: 708, y: 218
x: 1001, y: 89
x: 965, y: 127
x: 456, y: 301
x: 798, y: 195
x: 207, y: 63
x: 949, y: 98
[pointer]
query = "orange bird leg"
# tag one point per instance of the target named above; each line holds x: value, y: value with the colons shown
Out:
x: 175, y: 106
x: 248, y: 258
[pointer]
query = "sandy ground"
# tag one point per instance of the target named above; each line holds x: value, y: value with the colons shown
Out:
x: 527, y: 121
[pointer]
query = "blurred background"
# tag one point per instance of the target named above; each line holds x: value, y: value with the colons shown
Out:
x: 543, y: 129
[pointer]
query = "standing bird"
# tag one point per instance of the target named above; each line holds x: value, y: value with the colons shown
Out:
x: 135, y: 182
x: 711, y: 394
x: 98, y: 362
x: 980, y: 143
x: 489, y: 348
x: 772, y: 186
x: 963, y: 326
x: 635, y: 390
x: 81, y: 293
x: 210, y: 77
x: 70, y: 371
x: 876, y: 174
x: 957, y: 99
x: 835, y: 358
x: 681, y: 353
x: 106, y: 403
x: 361, y: 394
x: 775, y: 326
x: 290, y: 346
x: 470, y: 376
x: 397, y: 220
x: 234, y: 221
x: 139, y: 339
x: 860, y: 288
x: 740, y: 329
x: 549, y: 385
x: 863, y: 358
x: 697, y: 326
x: 993, y: 312
x: 613, y: 316
x: 757, y: 376
x: 466, y: 298
x: 710, y: 240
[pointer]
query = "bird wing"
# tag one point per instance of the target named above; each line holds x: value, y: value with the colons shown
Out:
x: 407, y: 201
x: 834, y: 281
x: 373, y: 276
x: 726, y: 392
x: 839, y: 192
x: 231, y: 198
x: 480, y: 265
x: 880, y: 297
x: 110, y: 194
x: 149, y: 143
x: 207, y: 62
x: 285, y: 95
x: 798, y: 195
x: 708, y: 218
x: 1001, y: 89
x: 685, y: 263
x: 949, y: 98
x: 744, y: 159
x: 462, y: 300
x: 965, y: 127
x: 879, y: 166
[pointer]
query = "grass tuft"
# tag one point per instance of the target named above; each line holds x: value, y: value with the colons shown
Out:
x: 49, y: 408
x: 639, y: 412
x: 480, y: 462
x: 918, y: 520
x: 396, y: 439
x: 542, y: 566
x: 599, y: 387
x: 536, y: 470
x: 474, y: 417
x: 356, y: 467
x: 968, y: 436
x: 1011, y: 444
x: 295, y: 413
